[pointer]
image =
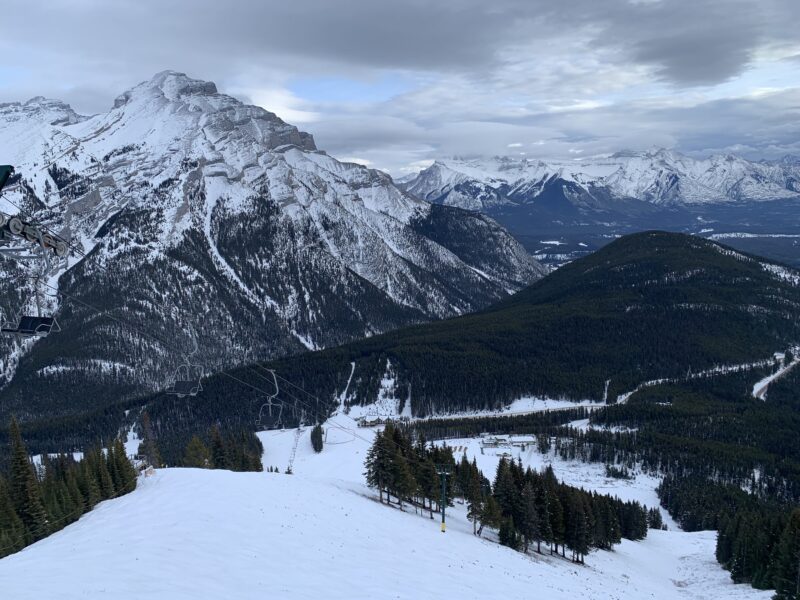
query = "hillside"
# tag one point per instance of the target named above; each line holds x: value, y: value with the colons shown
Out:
x: 649, y: 305
x: 213, y: 228
x: 646, y: 307
x: 322, y: 533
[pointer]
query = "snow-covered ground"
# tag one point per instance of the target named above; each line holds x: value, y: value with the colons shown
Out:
x: 760, y: 388
x: 388, y: 405
x: 320, y: 533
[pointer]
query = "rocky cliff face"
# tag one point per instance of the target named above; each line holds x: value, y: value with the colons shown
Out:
x: 196, y: 220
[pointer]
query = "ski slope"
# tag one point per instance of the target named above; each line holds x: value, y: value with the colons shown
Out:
x: 320, y: 533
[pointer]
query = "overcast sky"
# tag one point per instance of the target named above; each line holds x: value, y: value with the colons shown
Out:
x: 398, y: 83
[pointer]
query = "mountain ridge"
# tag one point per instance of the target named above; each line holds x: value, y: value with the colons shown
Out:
x: 180, y: 202
x: 661, y: 177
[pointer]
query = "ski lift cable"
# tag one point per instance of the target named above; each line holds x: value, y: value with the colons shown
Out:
x: 330, y: 422
x: 221, y: 372
x: 169, y: 346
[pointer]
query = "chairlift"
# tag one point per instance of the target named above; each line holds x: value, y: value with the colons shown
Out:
x: 32, y: 326
x: 186, y: 381
x: 268, y: 404
x: 14, y: 227
x: 187, y: 378
x: 28, y: 326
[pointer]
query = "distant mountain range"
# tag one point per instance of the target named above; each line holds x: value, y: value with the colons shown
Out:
x: 200, y: 222
x: 562, y: 210
x: 661, y: 177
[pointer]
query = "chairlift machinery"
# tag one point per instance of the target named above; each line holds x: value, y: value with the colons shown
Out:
x: 24, y: 241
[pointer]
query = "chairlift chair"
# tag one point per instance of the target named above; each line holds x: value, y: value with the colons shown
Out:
x: 268, y: 404
x: 32, y: 326
x: 185, y: 384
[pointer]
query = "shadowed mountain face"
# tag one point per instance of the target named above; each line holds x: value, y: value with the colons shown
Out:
x: 198, y: 221
x: 646, y: 306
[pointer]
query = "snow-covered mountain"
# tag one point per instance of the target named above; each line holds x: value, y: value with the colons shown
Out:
x: 661, y: 177
x: 207, y: 221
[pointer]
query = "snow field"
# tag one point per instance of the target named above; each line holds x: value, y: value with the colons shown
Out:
x: 320, y: 533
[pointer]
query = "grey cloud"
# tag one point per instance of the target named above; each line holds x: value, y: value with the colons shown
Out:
x: 484, y: 74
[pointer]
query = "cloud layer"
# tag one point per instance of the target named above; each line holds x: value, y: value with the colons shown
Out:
x: 399, y: 83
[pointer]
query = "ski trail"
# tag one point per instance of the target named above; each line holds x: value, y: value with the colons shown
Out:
x: 343, y: 395
x: 760, y: 388
x: 721, y: 370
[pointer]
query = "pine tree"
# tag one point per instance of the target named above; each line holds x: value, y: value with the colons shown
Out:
x: 786, y: 578
x: 491, y: 514
x: 545, y: 519
x: 12, y: 529
x: 197, y: 454
x: 529, y: 517
x: 148, y: 448
x: 102, y: 474
x: 474, y: 502
x: 428, y: 481
x: 654, y: 519
x: 24, y: 487
x: 124, y: 468
x: 316, y: 438
x: 379, y: 462
x: 508, y: 535
x: 219, y: 454
x: 557, y: 522
x: 505, y: 490
x: 402, y: 479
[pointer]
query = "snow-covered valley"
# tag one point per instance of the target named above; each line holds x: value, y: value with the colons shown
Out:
x: 320, y: 533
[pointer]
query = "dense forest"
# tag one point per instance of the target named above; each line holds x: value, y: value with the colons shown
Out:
x: 646, y: 306
x: 729, y: 462
x: 37, y: 502
x: 526, y: 507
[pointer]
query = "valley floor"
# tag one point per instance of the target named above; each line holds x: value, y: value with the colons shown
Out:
x: 320, y: 533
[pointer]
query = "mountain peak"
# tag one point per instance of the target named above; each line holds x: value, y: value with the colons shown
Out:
x: 44, y: 110
x: 171, y: 85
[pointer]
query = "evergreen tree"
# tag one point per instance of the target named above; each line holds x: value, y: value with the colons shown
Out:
x: 219, y: 454
x: 505, y: 490
x: 654, y: 519
x: 379, y: 462
x: 428, y: 481
x: 316, y: 438
x: 786, y: 578
x: 124, y: 469
x: 24, y: 487
x: 148, y: 448
x: 402, y: 479
x: 475, y: 499
x: 491, y: 514
x: 529, y: 517
x: 197, y: 454
x: 12, y: 529
x: 508, y: 535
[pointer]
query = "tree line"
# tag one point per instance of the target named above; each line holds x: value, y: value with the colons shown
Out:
x: 526, y: 507
x: 758, y: 541
x: 37, y: 502
x: 233, y: 449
